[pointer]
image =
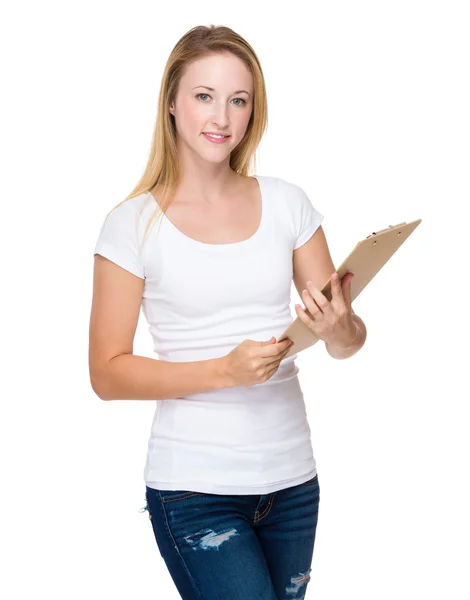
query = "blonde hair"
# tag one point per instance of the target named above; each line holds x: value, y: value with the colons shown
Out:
x: 162, y: 167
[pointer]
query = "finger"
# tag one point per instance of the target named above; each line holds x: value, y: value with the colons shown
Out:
x: 346, y: 290
x: 336, y: 289
x: 284, y: 345
x: 339, y: 286
x: 304, y: 317
x: 310, y: 303
x: 285, y: 349
x: 275, y: 349
x: 271, y: 372
x: 318, y: 296
x: 278, y: 358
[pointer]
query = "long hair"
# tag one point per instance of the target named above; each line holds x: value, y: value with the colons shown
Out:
x: 162, y: 167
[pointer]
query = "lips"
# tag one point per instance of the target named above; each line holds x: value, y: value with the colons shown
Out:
x: 215, y: 140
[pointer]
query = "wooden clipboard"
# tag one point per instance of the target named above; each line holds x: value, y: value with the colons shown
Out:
x: 365, y: 261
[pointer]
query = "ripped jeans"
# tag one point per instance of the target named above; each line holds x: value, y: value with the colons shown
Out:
x: 237, y: 547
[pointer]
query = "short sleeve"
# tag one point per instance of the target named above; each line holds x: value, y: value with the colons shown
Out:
x: 118, y: 239
x: 307, y: 218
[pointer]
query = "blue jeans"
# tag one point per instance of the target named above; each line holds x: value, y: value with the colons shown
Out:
x: 237, y: 547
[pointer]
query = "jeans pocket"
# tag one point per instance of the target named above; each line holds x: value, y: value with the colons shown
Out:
x: 313, y: 481
x: 174, y: 495
x: 168, y: 495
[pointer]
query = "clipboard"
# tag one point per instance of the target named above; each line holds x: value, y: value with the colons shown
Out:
x: 365, y: 261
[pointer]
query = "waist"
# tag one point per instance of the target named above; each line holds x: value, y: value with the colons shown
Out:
x: 241, y: 417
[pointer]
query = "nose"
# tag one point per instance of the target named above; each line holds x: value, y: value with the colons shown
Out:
x: 220, y: 117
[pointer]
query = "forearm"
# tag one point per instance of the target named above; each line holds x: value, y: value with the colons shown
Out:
x: 131, y: 377
x: 361, y: 334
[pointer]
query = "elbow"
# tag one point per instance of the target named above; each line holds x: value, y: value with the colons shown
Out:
x: 99, y: 392
x: 360, y: 323
x: 99, y: 372
x: 99, y: 387
x: 362, y: 326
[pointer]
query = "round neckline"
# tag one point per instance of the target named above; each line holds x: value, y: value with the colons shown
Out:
x: 223, y: 247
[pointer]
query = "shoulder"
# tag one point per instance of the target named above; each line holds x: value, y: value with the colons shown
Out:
x: 129, y: 207
x: 280, y: 184
x: 289, y: 194
x: 129, y: 213
x: 126, y: 220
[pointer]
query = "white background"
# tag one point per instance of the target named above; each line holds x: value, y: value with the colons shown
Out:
x: 369, y: 113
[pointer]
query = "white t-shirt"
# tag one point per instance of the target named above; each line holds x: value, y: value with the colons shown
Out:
x: 200, y: 301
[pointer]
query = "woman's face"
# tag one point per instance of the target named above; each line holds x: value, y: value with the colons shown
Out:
x: 225, y: 109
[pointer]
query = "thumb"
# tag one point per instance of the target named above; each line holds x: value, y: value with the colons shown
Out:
x: 270, y: 341
x: 347, y: 290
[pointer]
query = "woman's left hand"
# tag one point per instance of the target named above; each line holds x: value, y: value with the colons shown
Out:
x: 332, y: 321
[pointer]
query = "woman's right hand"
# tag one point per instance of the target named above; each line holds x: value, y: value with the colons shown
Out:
x: 254, y: 362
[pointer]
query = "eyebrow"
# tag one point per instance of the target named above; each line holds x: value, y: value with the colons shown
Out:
x: 212, y: 89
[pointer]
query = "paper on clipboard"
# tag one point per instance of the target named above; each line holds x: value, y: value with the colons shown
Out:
x: 365, y: 261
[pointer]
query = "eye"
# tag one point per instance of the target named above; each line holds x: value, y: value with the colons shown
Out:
x: 203, y: 94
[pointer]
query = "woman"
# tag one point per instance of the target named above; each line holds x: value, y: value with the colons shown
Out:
x: 231, y: 481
